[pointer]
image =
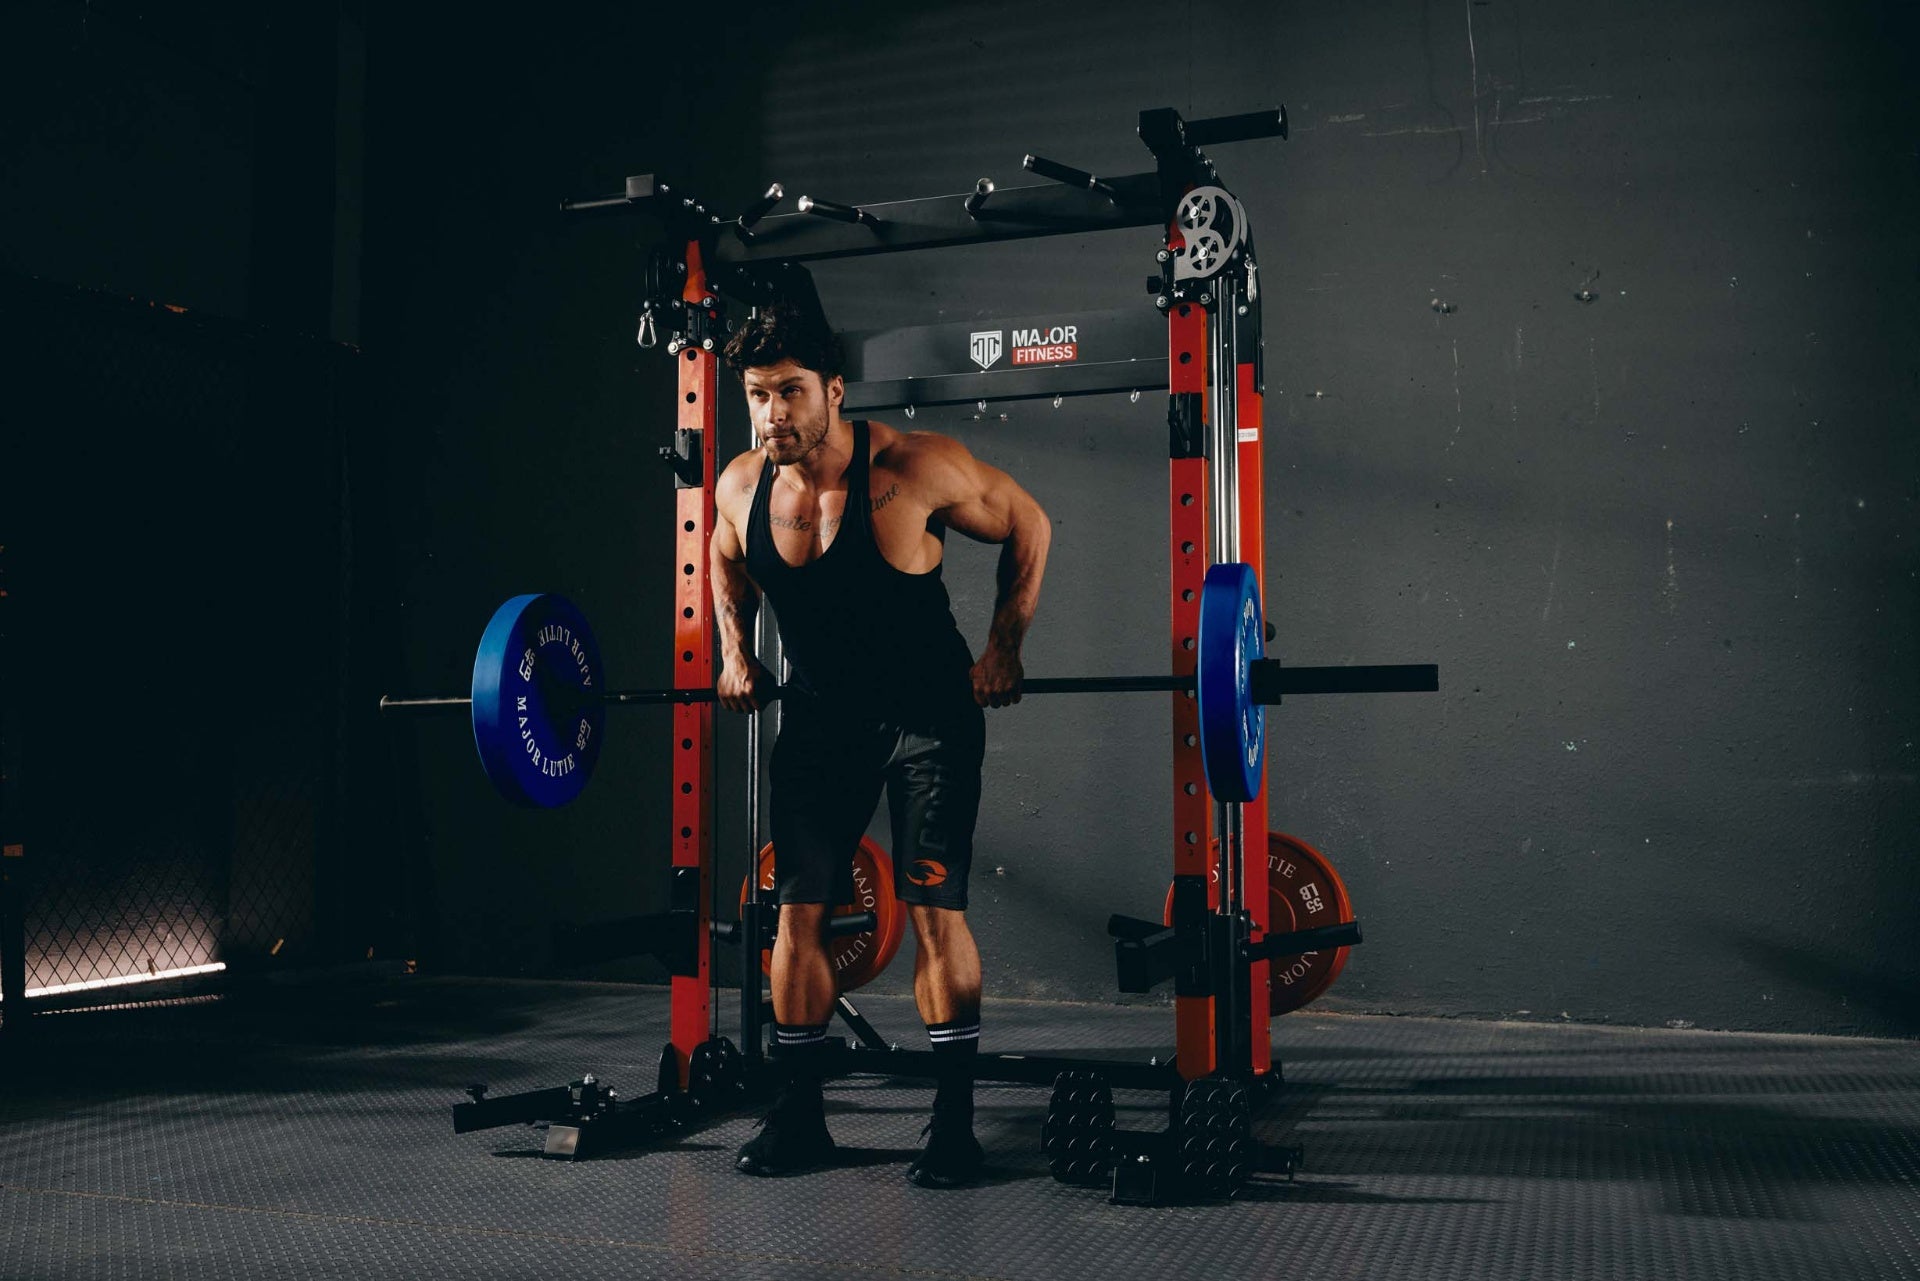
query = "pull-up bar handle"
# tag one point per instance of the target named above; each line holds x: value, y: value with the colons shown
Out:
x: 838, y: 212
x: 1241, y: 128
x: 762, y: 207
x: 1065, y: 173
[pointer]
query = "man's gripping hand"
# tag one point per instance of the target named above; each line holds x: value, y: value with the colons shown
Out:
x: 744, y: 686
x: 997, y: 677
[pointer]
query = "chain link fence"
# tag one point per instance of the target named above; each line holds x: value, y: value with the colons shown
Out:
x: 174, y: 525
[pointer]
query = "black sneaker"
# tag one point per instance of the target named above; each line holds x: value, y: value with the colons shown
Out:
x: 790, y: 1141
x: 952, y: 1157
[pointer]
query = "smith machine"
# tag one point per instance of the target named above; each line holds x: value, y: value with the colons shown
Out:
x: 1245, y: 933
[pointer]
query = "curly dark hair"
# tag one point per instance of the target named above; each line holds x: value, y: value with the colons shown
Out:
x: 783, y: 331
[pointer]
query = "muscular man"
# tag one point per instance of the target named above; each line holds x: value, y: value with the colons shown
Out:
x: 840, y: 524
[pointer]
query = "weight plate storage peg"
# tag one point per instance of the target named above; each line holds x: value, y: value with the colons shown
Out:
x: 1233, y: 737
x: 858, y: 959
x: 1304, y: 892
x: 538, y: 718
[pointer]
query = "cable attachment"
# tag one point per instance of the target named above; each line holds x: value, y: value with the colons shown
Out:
x: 696, y: 324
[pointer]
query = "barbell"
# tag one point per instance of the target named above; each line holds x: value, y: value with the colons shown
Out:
x: 539, y: 699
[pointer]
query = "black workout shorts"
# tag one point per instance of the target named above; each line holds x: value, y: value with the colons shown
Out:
x: 828, y: 769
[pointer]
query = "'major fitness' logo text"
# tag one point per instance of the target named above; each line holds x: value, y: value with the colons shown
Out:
x: 1044, y: 345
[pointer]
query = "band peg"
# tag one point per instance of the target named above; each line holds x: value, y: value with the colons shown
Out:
x: 978, y: 200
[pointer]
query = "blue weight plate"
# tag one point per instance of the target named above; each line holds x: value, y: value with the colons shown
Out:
x: 1233, y: 728
x: 538, y: 719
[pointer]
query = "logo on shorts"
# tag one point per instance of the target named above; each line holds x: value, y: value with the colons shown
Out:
x: 985, y: 347
x: 927, y: 873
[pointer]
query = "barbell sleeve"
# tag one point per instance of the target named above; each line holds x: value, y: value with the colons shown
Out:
x: 1269, y: 680
x: 388, y: 703
x: 594, y: 204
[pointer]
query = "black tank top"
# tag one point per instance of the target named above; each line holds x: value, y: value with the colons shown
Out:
x: 860, y: 634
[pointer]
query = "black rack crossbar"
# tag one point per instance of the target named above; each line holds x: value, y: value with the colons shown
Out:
x: 1017, y: 384
x: 934, y: 222
x: 1024, y: 358
x: 1028, y: 1069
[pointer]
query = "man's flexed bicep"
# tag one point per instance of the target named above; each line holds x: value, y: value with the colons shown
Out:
x: 974, y: 497
x: 986, y: 504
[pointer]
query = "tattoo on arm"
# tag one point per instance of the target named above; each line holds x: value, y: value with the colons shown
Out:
x: 882, y: 499
x: 736, y: 602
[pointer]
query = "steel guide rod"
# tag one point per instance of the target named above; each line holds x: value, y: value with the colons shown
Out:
x: 755, y: 894
x: 1254, y: 877
x: 753, y: 773
x: 1223, y: 443
x: 751, y: 1015
x: 1224, y: 446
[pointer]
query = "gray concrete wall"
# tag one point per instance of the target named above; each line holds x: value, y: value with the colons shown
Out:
x: 1660, y: 541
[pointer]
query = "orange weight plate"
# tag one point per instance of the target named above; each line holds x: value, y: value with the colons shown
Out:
x: 858, y: 959
x: 1304, y: 891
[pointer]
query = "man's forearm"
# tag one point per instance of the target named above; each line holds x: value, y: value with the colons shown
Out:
x: 1023, y: 560
x: 736, y: 602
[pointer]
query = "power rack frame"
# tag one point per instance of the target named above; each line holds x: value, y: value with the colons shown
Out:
x: 1201, y: 341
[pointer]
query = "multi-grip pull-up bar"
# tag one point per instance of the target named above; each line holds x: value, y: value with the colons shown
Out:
x: 825, y: 229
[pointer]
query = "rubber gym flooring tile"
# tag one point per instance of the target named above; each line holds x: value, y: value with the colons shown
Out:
x: 292, y: 1136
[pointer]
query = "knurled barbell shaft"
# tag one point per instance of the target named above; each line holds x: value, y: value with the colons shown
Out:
x: 1270, y: 681
x: 657, y: 697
